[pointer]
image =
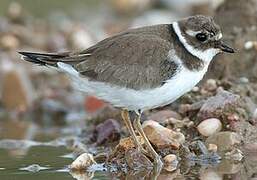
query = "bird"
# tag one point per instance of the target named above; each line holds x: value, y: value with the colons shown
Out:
x: 143, y: 68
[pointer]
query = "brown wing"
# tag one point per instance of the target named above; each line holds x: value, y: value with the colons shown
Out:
x: 137, y: 61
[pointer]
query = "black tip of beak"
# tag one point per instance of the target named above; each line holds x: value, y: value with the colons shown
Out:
x: 225, y: 48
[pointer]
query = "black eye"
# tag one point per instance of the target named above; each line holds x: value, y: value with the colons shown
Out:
x: 201, y: 37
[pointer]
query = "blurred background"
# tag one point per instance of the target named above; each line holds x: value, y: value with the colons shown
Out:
x: 38, y: 103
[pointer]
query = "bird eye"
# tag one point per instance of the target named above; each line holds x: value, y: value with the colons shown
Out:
x: 201, y: 37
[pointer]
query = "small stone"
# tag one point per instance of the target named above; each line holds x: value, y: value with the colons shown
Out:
x: 210, y: 85
x: 162, y: 137
x: 250, y: 44
x: 137, y: 160
x: 9, y: 42
x: 80, y: 38
x: 170, y: 162
x: 109, y: 131
x: 225, y: 140
x: 227, y: 166
x: 220, y: 105
x: 209, y: 127
x: 82, y: 162
x: 209, y: 174
x: 163, y: 115
x: 195, y: 89
x: 212, y: 147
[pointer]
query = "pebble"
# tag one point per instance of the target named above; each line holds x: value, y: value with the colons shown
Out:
x: 162, y: 116
x: 212, y: 147
x: 82, y: 162
x: 227, y: 166
x: 210, y: 85
x: 80, y: 38
x: 209, y: 127
x: 250, y: 44
x: 225, y: 140
x: 9, y: 42
x: 170, y: 162
x: 219, y: 105
x: 162, y: 137
x: 109, y: 131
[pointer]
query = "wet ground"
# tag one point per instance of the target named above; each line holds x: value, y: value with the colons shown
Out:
x: 50, y: 154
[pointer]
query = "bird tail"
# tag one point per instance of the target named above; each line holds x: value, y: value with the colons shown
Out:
x: 51, y: 59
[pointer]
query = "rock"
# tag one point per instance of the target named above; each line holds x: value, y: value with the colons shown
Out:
x: 225, y: 140
x: 15, y: 12
x: 170, y: 162
x: 130, y: 6
x: 219, y: 106
x: 163, y: 115
x: 9, y: 42
x: 228, y: 167
x: 17, y: 91
x: 210, y: 85
x: 136, y: 160
x: 209, y: 127
x: 82, y: 162
x: 209, y: 174
x: 80, y: 38
x: 212, y: 147
x: 162, y: 137
x: 109, y: 131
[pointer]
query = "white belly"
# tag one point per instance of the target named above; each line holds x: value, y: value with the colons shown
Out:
x: 138, y: 99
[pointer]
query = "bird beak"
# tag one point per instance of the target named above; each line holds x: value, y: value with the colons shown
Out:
x: 223, y: 47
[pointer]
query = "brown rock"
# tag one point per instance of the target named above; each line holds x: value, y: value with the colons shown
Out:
x: 17, y: 92
x: 162, y: 137
x: 225, y: 140
x: 109, y: 131
x: 219, y: 106
x: 137, y: 160
x: 163, y: 115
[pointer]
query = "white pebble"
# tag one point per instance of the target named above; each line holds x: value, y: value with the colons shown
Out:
x: 209, y: 127
x: 249, y: 45
x: 82, y: 162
